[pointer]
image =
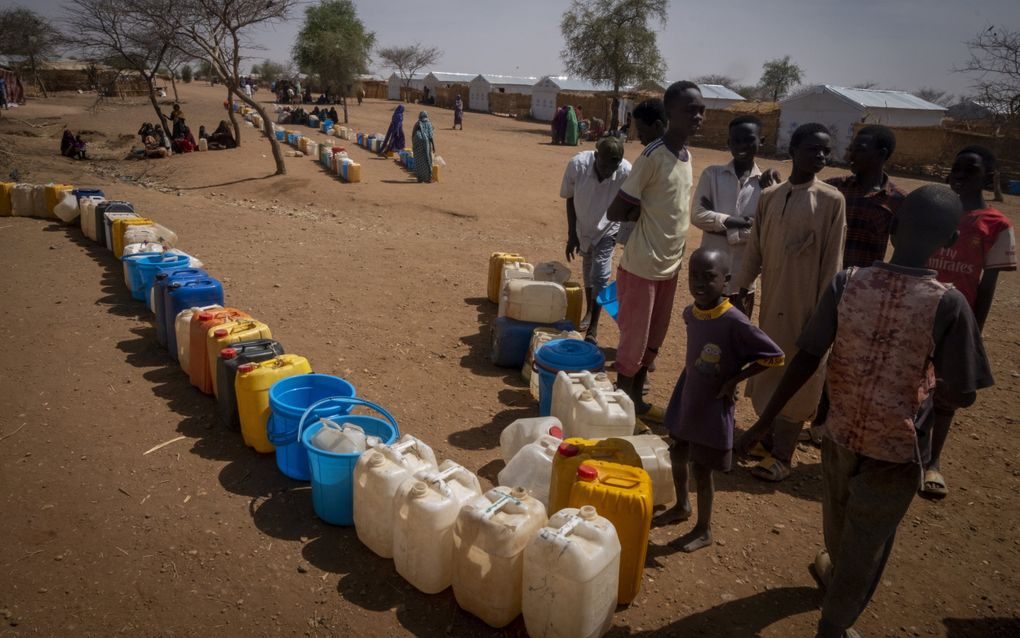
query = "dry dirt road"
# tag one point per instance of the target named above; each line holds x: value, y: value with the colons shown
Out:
x: 382, y: 283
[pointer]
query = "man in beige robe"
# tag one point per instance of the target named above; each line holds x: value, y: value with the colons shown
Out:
x: 796, y: 244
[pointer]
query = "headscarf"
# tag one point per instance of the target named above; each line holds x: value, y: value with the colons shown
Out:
x: 395, y: 134
x: 571, y: 127
x: 66, y: 142
x: 422, y: 142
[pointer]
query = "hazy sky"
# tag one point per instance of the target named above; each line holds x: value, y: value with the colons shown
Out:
x: 897, y: 43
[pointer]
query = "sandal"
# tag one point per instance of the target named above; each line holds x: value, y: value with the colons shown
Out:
x: 770, y: 469
x: 822, y: 569
x: 934, y: 486
x: 759, y: 451
x: 654, y: 415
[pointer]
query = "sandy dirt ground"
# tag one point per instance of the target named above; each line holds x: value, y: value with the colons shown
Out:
x: 382, y: 283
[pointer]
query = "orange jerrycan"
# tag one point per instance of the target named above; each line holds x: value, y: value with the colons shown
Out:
x: 252, y: 385
x: 198, y: 359
x: 117, y: 229
x: 5, y: 198
x: 573, y: 452
x: 623, y: 495
x: 225, y: 334
x: 496, y: 263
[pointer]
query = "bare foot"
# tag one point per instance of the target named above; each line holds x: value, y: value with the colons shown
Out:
x: 694, y: 540
x: 676, y: 514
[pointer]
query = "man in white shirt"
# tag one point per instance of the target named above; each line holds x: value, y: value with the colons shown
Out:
x: 590, y: 184
x: 727, y: 197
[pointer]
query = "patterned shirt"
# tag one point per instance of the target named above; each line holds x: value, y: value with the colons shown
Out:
x: 869, y: 215
x: 986, y: 242
x: 893, y: 332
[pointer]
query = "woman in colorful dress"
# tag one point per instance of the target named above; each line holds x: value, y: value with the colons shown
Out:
x: 424, y: 147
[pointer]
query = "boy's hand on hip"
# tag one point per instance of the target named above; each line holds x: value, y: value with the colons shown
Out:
x: 728, y: 390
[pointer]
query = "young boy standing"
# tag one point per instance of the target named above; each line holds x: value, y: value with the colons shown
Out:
x: 590, y: 184
x: 796, y: 243
x: 723, y: 349
x: 896, y: 334
x: 656, y: 196
x: 649, y: 119
x: 986, y: 247
x: 727, y: 198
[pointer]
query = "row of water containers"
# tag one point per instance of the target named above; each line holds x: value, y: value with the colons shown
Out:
x: 500, y: 550
x: 405, y: 158
x: 333, y: 158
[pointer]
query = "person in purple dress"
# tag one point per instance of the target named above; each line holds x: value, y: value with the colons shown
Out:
x: 723, y: 349
x: 394, y: 140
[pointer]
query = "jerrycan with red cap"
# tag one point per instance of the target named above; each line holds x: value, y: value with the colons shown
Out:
x: 230, y: 358
x: 225, y: 334
x: 573, y: 452
x: 252, y: 385
x: 623, y: 495
x: 198, y: 370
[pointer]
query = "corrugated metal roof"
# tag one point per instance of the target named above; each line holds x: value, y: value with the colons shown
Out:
x: 572, y: 84
x: 446, y: 76
x: 873, y: 98
x: 719, y: 92
x: 493, y: 78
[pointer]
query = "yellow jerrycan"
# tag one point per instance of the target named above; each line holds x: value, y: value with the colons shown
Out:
x: 623, y: 495
x: 252, y: 385
x: 5, y: 198
x: 573, y: 452
x: 225, y: 334
x: 119, y: 226
x: 496, y: 263
x: 53, y: 194
x: 575, y: 303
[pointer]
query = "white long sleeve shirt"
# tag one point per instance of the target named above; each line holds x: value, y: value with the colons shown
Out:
x: 731, y: 196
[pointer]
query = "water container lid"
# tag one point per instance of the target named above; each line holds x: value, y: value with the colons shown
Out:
x: 221, y: 332
x: 556, y: 431
x: 247, y: 367
x: 587, y: 473
x: 419, y: 490
x: 228, y: 353
x: 518, y: 493
x: 587, y: 512
x: 568, y: 450
x: 205, y: 316
x: 570, y: 355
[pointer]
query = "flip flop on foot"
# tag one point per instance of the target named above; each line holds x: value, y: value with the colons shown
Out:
x: 822, y: 569
x: 653, y: 415
x: 934, y: 486
x: 672, y: 516
x: 771, y: 469
x: 693, y: 541
x: 759, y: 451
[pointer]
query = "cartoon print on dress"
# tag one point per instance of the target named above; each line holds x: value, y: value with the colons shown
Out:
x: 708, y: 361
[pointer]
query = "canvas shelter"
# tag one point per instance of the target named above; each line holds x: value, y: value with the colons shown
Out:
x: 839, y: 108
x: 437, y: 79
x: 484, y: 84
x: 395, y: 82
x: 545, y: 91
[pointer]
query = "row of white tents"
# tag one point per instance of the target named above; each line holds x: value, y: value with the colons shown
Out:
x: 838, y: 108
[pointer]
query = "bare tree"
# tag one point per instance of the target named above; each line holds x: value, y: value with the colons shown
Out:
x: 867, y: 84
x: 409, y: 60
x: 935, y: 96
x: 27, y: 35
x: 123, y: 31
x: 995, y: 64
x: 219, y: 32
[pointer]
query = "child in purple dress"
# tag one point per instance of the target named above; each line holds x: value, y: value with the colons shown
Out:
x: 723, y: 349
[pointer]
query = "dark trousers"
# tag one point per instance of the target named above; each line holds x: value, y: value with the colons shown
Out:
x: 863, y: 502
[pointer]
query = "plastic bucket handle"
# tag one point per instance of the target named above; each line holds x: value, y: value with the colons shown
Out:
x: 351, y: 401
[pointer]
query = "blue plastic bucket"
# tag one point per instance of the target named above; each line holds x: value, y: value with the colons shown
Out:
x: 607, y: 299
x: 281, y: 135
x: 568, y: 355
x: 333, y: 473
x: 289, y: 399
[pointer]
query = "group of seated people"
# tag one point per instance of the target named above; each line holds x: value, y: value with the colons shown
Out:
x: 300, y: 116
x: 72, y: 145
x: 156, y: 145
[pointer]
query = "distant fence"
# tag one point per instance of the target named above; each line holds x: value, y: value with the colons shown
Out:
x: 930, y: 150
x: 512, y: 104
x: 375, y: 89
x: 447, y: 95
x: 715, y: 130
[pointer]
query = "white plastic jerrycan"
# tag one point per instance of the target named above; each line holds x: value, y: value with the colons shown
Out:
x: 182, y: 328
x: 489, y: 538
x: 344, y: 438
x: 552, y: 271
x: 524, y: 431
x: 568, y: 385
x: 512, y: 272
x: 531, y: 467
x: 534, y: 301
x: 377, y: 477
x: 599, y: 414
x: 654, y: 453
x: 423, y: 517
x: 571, y: 576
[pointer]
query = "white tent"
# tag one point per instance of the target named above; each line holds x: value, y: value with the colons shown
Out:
x: 544, y: 92
x: 717, y: 96
x: 487, y: 83
x: 395, y: 82
x: 839, y: 108
x: 436, y: 79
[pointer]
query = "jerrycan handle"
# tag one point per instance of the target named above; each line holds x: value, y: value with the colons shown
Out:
x: 503, y: 500
x: 351, y: 401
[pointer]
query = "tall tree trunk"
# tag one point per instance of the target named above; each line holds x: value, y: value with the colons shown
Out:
x: 150, y: 81
x: 233, y: 116
x: 344, y: 98
x: 35, y: 74
x: 267, y: 129
x: 173, y: 83
x: 614, y: 117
